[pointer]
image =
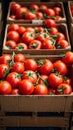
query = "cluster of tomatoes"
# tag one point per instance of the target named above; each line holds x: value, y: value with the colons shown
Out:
x: 20, y: 75
x: 41, y: 37
x: 71, y: 7
x: 34, y: 11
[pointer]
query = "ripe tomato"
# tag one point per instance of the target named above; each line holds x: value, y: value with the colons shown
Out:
x: 19, y: 58
x: 43, y: 79
x: 4, y: 69
x: 30, y: 29
x: 60, y: 67
x: 41, y: 89
x: 34, y: 7
x: 5, y: 59
x: 30, y: 16
x: 60, y: 36
x: 39, y: 15
x: 54, y: 80
x: 15, y: 91
x: 21, y: 30
x: 13, y: 27
x: 62, y: 44
x: 31, y: 75
x: 13, y: 78
x: 12, y: 17
x: 20, y: 14
x: 50, y: 12
x: 64, y: 89
x: 53, y: 31
x: 67, y: 80
x: 48, y: 44
x: 14, y: 7
x: 21, y: 46
x: 26, y: 87
x: 35, y: 44
x: 51, y: 91
x: 30, y: 64
x: 42, y: 36
x: 11, y: 44
x: 43, y: 7
x: 50, y: 23
x: 5, y: 88
x: 58, y: 18
x: 28, y: 37
x: 57, y: 10
x: 45, y: 66
x: 39, y: 29
x: 68, y: 58
x: 13, y: 35
x: 18, y: 67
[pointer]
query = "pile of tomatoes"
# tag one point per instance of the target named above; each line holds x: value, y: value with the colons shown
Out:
x: 41, y: 37
x: 34, y: 11
x: 25, y: 76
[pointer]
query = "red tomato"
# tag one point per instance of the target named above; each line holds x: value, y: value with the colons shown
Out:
x: 19, y: 58
x: 15, y: 91
x: 50, y: 23
x: 71, y: 6
x: 13, y: 27
x: 64, y: 89
x: 57, y: 10
x: 26, y: 87
x: 62, y: 44
x: 28, y: 37
x: 68, y: 58
x: 43, y: 7
x: 41, y: 89
x: 53, y: 31
x: 4, y: 69
x: 31, y: 75
x: 39, y: 15
x: 60, y: 37
x: 35, y: 44
x: 18, y: 67
x: 42, y: 36
x: 14, y: 7
x: 55, y: 80
x: 21, y: 30
x: 58, y: 18
x: 43, y: 79
x: 20, y: 14
x: 21, y: 46
x: 45, y: 66
x: 14, y: 79
x: 60, y: 67
x: 30, y: 16
x: 13, y: 35
x: 50, y: 12
x: 12, y: 17
x: 30, y: 29
x: 48, y: 44
x: 51, y: 91
x: 30, y: 64
x: 5, y: 59
x: 34, y: 7
x: 67, y: 80
x: 11, y: 44
x: 39, y: 29
x: 5, y: 88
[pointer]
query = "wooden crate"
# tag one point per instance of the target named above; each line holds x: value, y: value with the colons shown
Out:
x: 70, y: 17
x: 71, y: 33
x: 49, y: 4
x: 62, y: 28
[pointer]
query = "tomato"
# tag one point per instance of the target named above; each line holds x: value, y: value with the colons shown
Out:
x: 57, y: 10
x: 13, y: 27
x: 54, y: 80
x: 68, y: 58
x: 30, y: 16
x: 67, y: 80
x: 18, y: 67
x: 34, y: 7
x: 43, y: 7
x: 20, y: 14
x: 43, y: 79
x: 48, y: 44
x: 39, y: 29
x: 5, y: 88
x: 14, y: 7
x: 26, y: 87
x: 13, y: 78
x: 58, y: 18
x: 41, y: 89
x: 31, y: 75
x: 21, y: 30
x: 60, y: 67
x: 53, y: 31
x: 39, y: 15
x: 12, y: 17
x: 71, y: 6
x: 19, y: 58
x: 50, y: 23
x: 13, y: 35
x: 15, y: 91
x: 45, y: 66
x: 10, y: 44
x: 30, y: 29
x: 30, y: 64
x: 64, y: 89
x: 50, y: 12
x: 62, y: 44
x: 28, y: 37
x: 51, y: 91
x: 60, y: 36
x: 21, y: 46
x: 4, y: 69
x: 5, y: 59
x: 42, y: 36
x: 35, y: 44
